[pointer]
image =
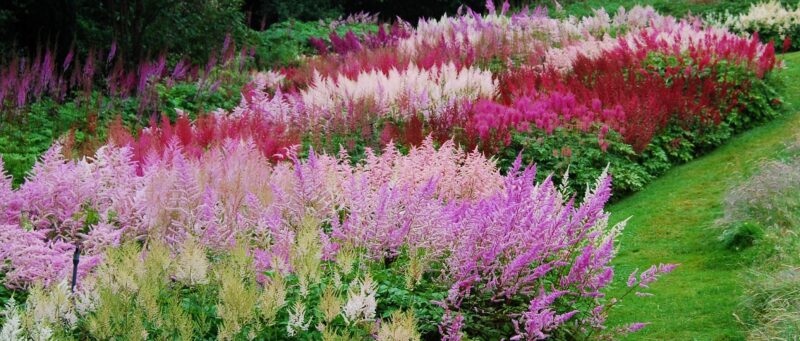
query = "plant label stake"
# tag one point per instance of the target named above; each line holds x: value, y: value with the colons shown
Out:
x: 75, y: 259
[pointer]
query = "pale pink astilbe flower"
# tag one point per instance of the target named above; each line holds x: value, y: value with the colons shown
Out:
x: 459, y: 175
x: 637, y: 17
x: 384, y: 219
x: 114, y: 173
x: 212, y: 198
x: 54, y: 194
x: 9, y: 204
x: 29, y: 257
x: 280, y: 107
x: 597, y: 24
x: 168, y: 201
x: 518, y: 33
x: 236, y: 179
x: 308, y: 188
x: 267, y: 79
x: 562, y: 58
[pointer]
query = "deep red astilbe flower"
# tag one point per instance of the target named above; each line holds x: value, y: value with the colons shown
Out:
x: 271, y: 139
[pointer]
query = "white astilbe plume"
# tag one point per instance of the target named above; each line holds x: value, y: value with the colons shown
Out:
x: 297, y: 319
x: 398, y: 93
x: 361, y: 302
x: 12, y: 328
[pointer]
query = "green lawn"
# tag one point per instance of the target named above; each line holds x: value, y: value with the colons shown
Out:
x: 673, y: 222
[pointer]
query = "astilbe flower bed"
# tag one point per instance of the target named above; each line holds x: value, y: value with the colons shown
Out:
x: 474, y: 235
x: 234, y: 224
x: 482, y: 78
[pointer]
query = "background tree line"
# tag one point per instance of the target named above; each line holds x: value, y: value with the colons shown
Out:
x: 192, y: 28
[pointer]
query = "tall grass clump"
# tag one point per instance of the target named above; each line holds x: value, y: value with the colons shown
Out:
x: 765, y: 210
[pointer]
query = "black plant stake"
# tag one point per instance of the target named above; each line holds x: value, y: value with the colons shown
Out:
x: 75, y: 259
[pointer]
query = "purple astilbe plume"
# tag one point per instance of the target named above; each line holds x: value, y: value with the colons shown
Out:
x: 529, y: 241
x: 540, y: 318
x: 9, y: 205
x: 318, y: 44
x: 68, y: 59
x: 87, y: 76
x: 649, y: 276
x: 112, y: 52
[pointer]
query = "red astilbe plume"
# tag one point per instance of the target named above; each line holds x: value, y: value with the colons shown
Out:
x: 638, y: 103
x: 194, y: 138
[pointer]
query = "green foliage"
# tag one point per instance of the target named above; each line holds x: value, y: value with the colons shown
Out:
x: 141, y: 28
x: 26, y: 136
x: 742, y: 235
x: 306, y: 10
x: 284, y: 42
x: 580, y: 153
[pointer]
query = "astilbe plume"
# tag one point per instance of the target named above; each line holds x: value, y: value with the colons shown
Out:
x: 350, y: 42
x: 271, y: 137
x: 458, y: 175
x: 64, y: 204
x: 9, y: 206
x: 397, y: 94
x: 529, y: 241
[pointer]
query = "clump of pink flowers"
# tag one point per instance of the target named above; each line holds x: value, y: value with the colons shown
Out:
x: 499, y: 236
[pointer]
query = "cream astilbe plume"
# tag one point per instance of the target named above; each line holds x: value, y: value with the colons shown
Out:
x: 238, y: 295
x: 272, y: 299
x: 330, y: 304
x: 401, y: 327
x: 191, y: 264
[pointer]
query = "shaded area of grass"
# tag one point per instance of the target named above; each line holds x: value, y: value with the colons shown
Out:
x: 673, y: 221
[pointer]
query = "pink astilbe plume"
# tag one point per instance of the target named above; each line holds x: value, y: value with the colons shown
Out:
x: 55, y: 192
x: 9, y: 205
x: 53, y: 211
x: 458, y: 175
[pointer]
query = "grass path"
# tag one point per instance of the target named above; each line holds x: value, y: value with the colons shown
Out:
x: 673, y: 222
